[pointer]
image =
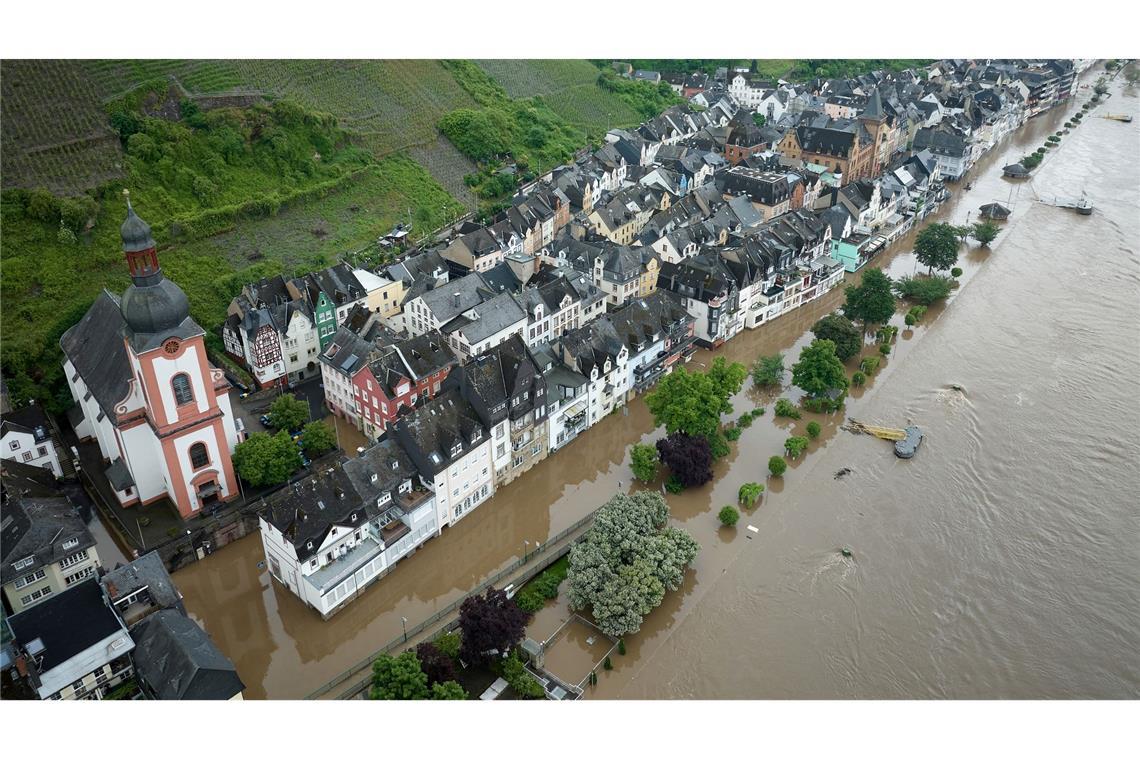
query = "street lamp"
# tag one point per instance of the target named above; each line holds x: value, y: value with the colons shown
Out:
x: 526, y: 545
x: 404, y: 625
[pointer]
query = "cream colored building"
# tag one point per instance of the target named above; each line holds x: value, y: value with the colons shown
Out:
x: 47, y: 549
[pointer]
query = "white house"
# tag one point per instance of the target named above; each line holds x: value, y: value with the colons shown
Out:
x: 25, y: 437
x: 329, y: 538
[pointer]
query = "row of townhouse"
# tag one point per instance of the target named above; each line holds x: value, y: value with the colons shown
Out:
x: 491, y: 419
x: 277, y: 328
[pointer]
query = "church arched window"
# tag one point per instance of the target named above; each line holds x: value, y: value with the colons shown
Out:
x: 199, y: 457
x: 183, y: 393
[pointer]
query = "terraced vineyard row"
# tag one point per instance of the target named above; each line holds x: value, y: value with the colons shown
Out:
x: 392, y: 104
x: 569, y: 87
x: 113, y: 77
x: 524, y: 78
x: 56, y: 134
x: 448, y: 166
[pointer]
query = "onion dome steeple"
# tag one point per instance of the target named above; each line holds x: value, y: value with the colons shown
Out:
x: 152, y: 304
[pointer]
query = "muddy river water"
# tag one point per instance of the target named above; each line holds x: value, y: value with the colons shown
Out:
x: 1002, y: 561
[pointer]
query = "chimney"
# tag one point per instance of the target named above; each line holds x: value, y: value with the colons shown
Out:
x: 359, y: 451
x: 455, y: 299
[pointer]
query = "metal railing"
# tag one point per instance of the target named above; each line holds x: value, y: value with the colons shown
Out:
x: 402, y: 639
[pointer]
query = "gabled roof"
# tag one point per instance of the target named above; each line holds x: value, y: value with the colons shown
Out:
x: 176, y: 659
x: 68, y: 624
x: 95, y: 347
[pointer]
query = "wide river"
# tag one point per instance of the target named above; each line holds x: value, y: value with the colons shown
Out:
x: 1002, y: 561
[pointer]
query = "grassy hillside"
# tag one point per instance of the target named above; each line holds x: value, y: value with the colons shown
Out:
x: 231, y: 195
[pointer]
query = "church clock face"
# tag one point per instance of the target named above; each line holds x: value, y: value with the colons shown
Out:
x: 171, y: 346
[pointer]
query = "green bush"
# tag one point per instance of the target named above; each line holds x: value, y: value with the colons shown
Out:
x: 520, y: 679
x: 869, y: 364
x: 757, y: 412
x: 785, y: 408
x: 621, y: 646
x: 607, y: 664
x: 777, y: 466
x: 885, y: 349
x: 768, y: 371
x: 858, y: 379
x: 813, y: 429
x: 909, y: 319
x: 795, y: 445
x: 674, y: 485
x: 728, y: 516
x: 733, y: 433
x: 718, y: 446
x: 745, y: 420
x: 449, y: 644
x: 924, y: 290
x: 956, y: 272
x: 824, y: 404
x: 749, y: 493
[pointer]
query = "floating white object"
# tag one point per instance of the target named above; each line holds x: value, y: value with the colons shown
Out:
x: 753, y: 528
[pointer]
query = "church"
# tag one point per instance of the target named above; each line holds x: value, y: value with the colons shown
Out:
x: 144, y: 389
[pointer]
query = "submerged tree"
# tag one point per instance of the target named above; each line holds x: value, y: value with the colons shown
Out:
x: 628, y: 558
x: 937, y: 246
x: 490, y: 623
x: 871, y: 301
x: 842, y: 332
x: 688, y: 457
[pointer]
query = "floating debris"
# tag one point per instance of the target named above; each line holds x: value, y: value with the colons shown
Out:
x: 843, y: 472
x: 845, y: 552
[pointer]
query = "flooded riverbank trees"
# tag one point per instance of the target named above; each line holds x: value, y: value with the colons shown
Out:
x: 842, y: 332
x: 821, y: 375
x: 626, y: 561
x: 768, y: 371
x: 490, y: 623
x: 643, y: 461
x: 871, y: 301
x: 937, y: 246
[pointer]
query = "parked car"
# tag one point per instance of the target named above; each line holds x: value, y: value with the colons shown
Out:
x: 264, y: 420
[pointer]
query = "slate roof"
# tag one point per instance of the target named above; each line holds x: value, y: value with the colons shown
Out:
x: 940, y: 142
x: 390, y: 465
x: 305, y: 511
x: 825, y: 141
x: 67, y: 623
x: 96, y: 349
x: 347, y: 353
x: 149, y: 572
x: 436, y: 427
x: 176, y: 659
x: 471, y: 291
x: 37, y: 527
x: 487, y: 318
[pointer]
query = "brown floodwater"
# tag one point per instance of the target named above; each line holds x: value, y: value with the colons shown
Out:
x: 1000, y: 562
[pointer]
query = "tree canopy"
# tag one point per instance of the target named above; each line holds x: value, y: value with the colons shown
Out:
x: 692, y: 402
x: 937, y: 246
x: 985, y: 232
x: 402, y: 677
x: 924, y: 290
x: 317, y: 438
x: 643, y: 461
x: 627, y: 560
x: 688, y: 457
x: 287, y: 412
x: 841, y: 331
x: 490, y: 622
x: 819, y: 370
x: 264, y: 460
x: 871, y: 301
x: 749, y: 493
x: 437, y: 666
x: 768, y: 371
x: 398, y: 677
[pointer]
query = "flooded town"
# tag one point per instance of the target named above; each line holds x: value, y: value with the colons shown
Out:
x: 570, y: 380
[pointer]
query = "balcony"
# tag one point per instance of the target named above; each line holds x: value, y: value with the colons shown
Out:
x: 410, y: 501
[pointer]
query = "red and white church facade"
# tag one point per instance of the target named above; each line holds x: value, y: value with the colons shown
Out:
x: 145, y: 390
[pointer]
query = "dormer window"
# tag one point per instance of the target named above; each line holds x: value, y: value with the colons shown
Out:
x: 373, y: 478
x: 456, y: 449
x: 475, y: 436
x: 70, y: 543
x: 25, y: 562
x: 383, y: 499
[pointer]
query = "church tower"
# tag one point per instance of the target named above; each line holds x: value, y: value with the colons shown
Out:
x: 189, y: 424
x: 874, y: 119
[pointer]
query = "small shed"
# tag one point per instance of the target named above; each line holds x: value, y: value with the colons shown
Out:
x: 1016, y: 171
x: 995, y: 211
